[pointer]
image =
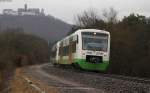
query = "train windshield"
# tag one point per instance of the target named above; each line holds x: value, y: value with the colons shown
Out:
x: 94, y: 41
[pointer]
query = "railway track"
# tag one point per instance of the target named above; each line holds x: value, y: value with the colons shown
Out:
x: 106, y: 82
x: 121, y: 77
x: 129, y: 78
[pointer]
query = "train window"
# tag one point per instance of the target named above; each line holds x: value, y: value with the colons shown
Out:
x: 61, y: 49
x: 97, y: 41
x: 75, y: 38
x: 63, y: 53
x: 73, y: 47
x: 65, y: 50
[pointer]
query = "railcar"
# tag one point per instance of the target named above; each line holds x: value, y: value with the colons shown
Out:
x: 88, y: 49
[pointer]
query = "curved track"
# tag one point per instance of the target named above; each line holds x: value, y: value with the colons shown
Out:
x: 129, y: 78
x: 68, y: 80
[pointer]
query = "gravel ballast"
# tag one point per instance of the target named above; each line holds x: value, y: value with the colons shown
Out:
x: 108, y: 84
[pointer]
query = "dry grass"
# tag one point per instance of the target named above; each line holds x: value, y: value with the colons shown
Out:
x: 20, y: 85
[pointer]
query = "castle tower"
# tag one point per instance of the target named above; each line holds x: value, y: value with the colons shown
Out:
x: 42, y: 12
x: 25, y: 7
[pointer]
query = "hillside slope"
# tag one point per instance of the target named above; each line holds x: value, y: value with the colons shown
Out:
x: 47, y: 27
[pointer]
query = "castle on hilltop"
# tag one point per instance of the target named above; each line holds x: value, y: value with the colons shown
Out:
x: 24, y: 11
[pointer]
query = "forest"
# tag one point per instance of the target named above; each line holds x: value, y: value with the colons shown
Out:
x: 130, y: 40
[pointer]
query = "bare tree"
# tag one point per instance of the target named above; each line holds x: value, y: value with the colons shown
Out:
x: 87, y: 18
x: 110, y: 15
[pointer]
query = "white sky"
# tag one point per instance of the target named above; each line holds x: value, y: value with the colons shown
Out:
x: 67, y: 9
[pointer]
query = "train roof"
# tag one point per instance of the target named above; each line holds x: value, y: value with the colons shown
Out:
x: 92, y: 30
x: 84, y: 30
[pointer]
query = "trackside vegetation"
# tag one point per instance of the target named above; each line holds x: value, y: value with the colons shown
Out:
x: 19, y: 49
x: 130, y: 40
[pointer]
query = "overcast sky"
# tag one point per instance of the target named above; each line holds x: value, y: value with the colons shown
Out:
x: 67, y: 9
